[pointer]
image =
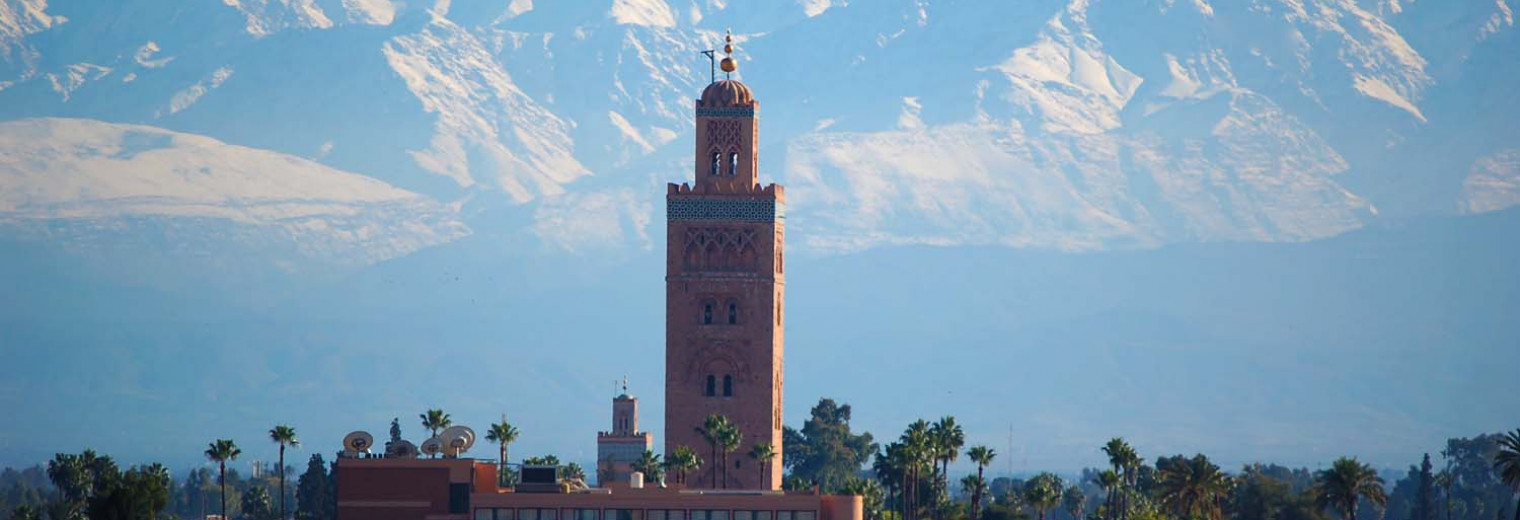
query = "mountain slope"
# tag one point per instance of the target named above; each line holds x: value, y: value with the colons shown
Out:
x: 1080, y: 124
x: 96, y: 186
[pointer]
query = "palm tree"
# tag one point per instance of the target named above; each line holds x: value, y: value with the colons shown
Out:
x: 1507, y: 463
x: 1043, y: 492
x: 764, y: 453
x: 502, y: 433
x: 890, y: 467
x: 918, y: 446
x: 1109, y: 480
x: 284, y: 436
x: 975, y: 485
x: 729, y: 442
x: 681, y: 460
x: 1075, y: 501
x: 1192, y: 488
x: 982, y: 456
x: 1126, y: 462
x: 711, y: 431
x: 1344, y: 484
x: 434, y: 420
x: 648, y: 464
x: 948, y: 439
x: 220, y: 452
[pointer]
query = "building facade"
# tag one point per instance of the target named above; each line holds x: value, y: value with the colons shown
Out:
x: 725, y: 294
x: 620, y: 447
x: 724, y: 306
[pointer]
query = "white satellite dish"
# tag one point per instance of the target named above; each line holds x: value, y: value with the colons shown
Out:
x: 457, y: 440
x: 358, y: 442
x: 432, y: 446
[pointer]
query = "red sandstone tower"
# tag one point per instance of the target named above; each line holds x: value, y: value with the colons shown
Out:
x: 724, y: 290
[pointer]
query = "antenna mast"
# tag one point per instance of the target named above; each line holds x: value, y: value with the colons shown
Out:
x: 712, y: 65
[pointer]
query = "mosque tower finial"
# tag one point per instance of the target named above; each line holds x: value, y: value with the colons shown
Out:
x: 729, y: 65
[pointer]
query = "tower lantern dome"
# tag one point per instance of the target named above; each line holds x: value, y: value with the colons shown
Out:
x: 726, y: 93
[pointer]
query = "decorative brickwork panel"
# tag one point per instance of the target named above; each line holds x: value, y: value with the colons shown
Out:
x: 726, y: 112
x: 720, y: 249
x: 723, y: 134
x: 691, y: 209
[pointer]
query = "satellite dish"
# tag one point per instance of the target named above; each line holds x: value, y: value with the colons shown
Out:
x: 457, y: 440
x: 358, y: 442
x: 432, y: 446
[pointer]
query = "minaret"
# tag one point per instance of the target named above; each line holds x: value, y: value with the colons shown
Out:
x: 724, y: 293
x: 618, y: 448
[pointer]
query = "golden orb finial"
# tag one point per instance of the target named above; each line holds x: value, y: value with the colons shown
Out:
x: 729, y: 64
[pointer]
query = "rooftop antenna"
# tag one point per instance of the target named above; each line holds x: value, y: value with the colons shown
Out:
x: 625, y: 384
x: 712, y: 66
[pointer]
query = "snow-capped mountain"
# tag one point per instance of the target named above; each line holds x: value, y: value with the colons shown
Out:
x: 152, y: 195
x: 1070, y: 125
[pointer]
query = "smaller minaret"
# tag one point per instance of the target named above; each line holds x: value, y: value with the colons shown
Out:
x: 624, y: 444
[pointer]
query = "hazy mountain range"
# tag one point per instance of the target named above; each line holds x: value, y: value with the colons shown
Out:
x: 376, y: 191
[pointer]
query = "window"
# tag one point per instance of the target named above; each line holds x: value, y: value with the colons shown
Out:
x: 728, y: 385
x: 624, y: 514
x: 733, y: 164
x: 711, y: 514
x: 583, y: 514
x: 707, y: 313
x: 712, y: 383
x: 762, y: 515
x: 483, y: 514
x: 667, y: 514
x: 806, y: 515
x: 784, y: 515
x: 733, y: 312
x: 715, y: 158
x: 506, y: 514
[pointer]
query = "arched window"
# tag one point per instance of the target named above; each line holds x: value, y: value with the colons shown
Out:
x: 728, y: 386
x: 712, y: 386
x: 733, y: 312
x: 707, y: 313
x: 733, y: 164
x: 715, y: 158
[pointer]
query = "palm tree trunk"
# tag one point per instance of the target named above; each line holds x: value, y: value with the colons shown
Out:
x: 282, y: 481
x: 222, y: 481
x: 976, y: 495
x: 716, y: 463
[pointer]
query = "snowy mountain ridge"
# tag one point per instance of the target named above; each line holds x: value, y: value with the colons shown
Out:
x: 1069, y: 125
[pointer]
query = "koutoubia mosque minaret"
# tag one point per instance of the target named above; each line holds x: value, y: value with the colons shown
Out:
x: 725, y: 291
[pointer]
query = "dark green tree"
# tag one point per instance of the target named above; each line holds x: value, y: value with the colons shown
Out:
x: 256, y: 504
x: 314, y: 492
x: 25, y: 512
x: 1507, y: 463
x: 825, y: 451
